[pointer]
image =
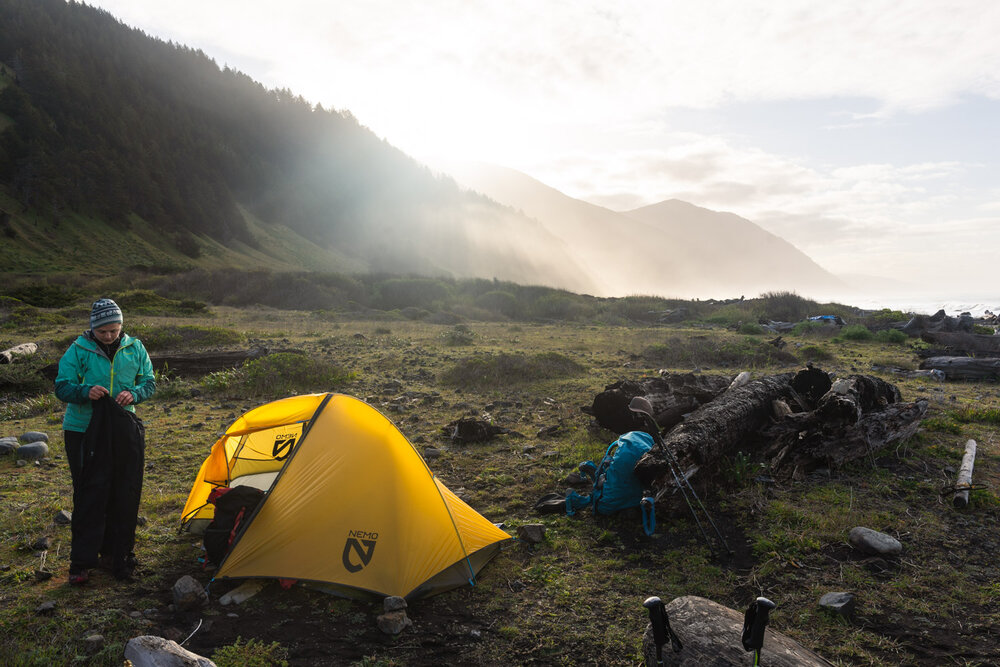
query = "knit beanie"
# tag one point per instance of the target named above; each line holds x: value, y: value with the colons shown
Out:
x: 104, y: 311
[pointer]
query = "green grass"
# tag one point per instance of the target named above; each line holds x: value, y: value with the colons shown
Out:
x: 580, y: 592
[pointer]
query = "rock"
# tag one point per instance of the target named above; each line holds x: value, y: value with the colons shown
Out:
x: 63, y: 518
x: 8, y: 445
x: 33, y: 451
x: 42, y: 543
x: 394, y: 622
x: 393, y: 603
x: 189, y: 594
x: 873, y: 542
x: 575, y: 478
x: 21, y: 463
x: 42, y: 575
x: 839, y: 603
x: 46, y: 607
x: 242, y: 593
x: 33, y: 436
x: 151, y: 651
x: 431, y: 453
x: 532, y: 533
x: 93, y: 643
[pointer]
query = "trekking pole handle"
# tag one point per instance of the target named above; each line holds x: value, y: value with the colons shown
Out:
x: 657, y: 620
x: 754, y: 624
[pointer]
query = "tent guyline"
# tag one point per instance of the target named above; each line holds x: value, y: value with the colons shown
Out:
x: 348, y: 504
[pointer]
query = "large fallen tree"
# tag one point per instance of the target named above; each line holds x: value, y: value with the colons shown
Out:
x: 791, y: 422
x: 672, y: 396
x: 964, y: 368
x: 953, y: 344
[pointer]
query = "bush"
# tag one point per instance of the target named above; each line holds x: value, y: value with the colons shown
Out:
x: 460, y: 334
x: 503, y: 370
x: 814, y: 353
x: 715, y: 350
x: 45, y: 295
x: 397, y: 293
x: 892, y: 337
x: 286, y: 373
x: 751, y: 329
x: 856, y: 332
x: 147, y: 302
x: 186, y: 336
x: 252, y: 653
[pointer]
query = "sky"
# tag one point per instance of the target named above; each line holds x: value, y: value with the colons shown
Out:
x: 864, y: 132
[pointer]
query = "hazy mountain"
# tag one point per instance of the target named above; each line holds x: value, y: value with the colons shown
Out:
x: 672, y: 248
x: 156, y: 155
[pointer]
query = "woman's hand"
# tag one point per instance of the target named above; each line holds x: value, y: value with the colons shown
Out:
x: 96, y: 392
x: 125, y: 398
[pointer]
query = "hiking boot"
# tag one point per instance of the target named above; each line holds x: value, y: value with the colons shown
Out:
x: 78, y: 578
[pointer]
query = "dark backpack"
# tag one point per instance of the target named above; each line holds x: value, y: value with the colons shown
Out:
x: 233, y: 506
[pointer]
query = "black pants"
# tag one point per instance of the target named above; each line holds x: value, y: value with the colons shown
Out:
x: 106, y: 464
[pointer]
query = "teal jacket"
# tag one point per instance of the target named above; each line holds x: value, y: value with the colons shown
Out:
x: 85, y: 364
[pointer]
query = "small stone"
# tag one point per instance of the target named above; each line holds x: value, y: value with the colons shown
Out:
x: 42, y: 575
x: 46, y: 607
x: 528, y: 449
x: 393, y: 603
x: 394, y: 622
x: 550, y: 454
x: 839, y: 603
x: 431, y: 453
x: 94, y: 642
x: 63, y: 518
x: 21, y: 463
x: 531, y: 533
x: 33, y: 436
x: 189, y: 594
x: 574, y: 478
x: 873, y: 542
x: 141, y: 521
x: 41, y: 544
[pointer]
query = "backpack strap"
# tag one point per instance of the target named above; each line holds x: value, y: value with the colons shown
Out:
x: 574, y: 502
x: 648, y: 515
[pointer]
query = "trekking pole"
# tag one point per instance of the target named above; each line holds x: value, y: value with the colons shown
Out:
x: 641, y: 405
x: 661, y: 628
x: 754, y: 623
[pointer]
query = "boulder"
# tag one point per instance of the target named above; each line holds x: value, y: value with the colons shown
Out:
x: 33, y: 451
x: 189, y: 594
x: 34, y: 436
x: 873, y: 542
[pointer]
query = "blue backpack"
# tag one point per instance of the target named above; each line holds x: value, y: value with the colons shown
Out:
x: 615, y: 484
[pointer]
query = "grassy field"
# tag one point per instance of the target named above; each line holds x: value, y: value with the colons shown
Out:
x: 577, y: 597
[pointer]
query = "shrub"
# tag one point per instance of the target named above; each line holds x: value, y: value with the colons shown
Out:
x: 856, y: 332
x: 147, y: 302
x: 982, y: 329
x: 786, y: 306
x: 812, y: 328
x: 187, y: 336
x: 277, y: 375
x: 397, y: 293
x: 45, y: 295
x: 891, y: 336
x: 499, y: 301
x: 814, y: 353
x: 751, y: 329
x: 460, y: 334
x: 502, y: 370
x: 714, y: 350
x: 252, y: 653
x: 942, y: 425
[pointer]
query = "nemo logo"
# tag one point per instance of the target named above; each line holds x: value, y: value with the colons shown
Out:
x: 363, y: 549
x: 282, y: 447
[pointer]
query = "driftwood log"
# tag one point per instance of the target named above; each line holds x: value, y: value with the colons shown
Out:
x: 964, y: 483
x: 203, y: 363
x: 952, y: 344
x: 964, y: 368
x: 792, y: 422
x: 710, y: 635
x: 24, y: 349
x: 672, y: 395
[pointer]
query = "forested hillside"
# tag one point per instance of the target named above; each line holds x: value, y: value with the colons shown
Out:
x: 101, y: 120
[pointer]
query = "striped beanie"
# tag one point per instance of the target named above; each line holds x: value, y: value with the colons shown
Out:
x: 104, y: 311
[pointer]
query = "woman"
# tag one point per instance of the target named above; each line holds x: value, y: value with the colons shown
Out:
x: 102, y: 376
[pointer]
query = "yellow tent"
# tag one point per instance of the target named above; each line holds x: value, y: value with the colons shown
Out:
x: 351, y: 506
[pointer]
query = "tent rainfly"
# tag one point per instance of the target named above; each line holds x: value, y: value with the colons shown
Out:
x: 350, y: 505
